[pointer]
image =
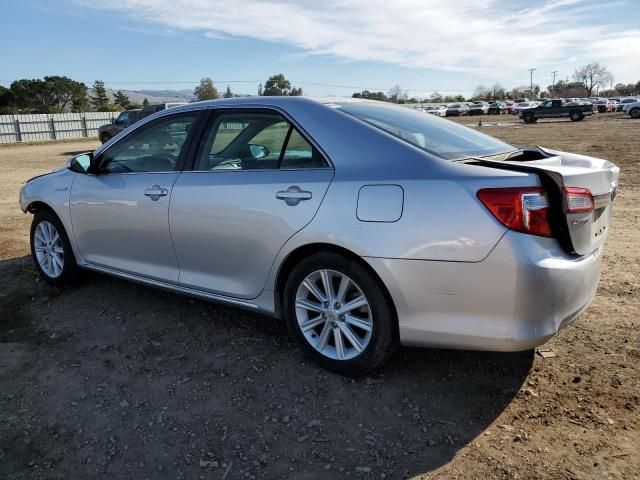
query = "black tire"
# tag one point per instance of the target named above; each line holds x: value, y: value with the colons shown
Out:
x: 576, y: 116
x: 384, y: 334
x: 529, y: 118
x: 105, y: 137
x: 70, y: 268
x: 635, y: 113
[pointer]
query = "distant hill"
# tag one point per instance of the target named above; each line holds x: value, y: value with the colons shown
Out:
x: 155, y: 96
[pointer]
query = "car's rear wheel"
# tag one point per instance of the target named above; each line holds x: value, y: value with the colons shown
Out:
x: 340, y: 314
x: 635, y: 113
x: 529, y: 118
x: 576, y: 116
x: 105, y: 137
x: 51, y: 250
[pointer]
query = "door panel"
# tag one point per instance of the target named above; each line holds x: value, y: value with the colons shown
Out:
x: 120, y: 215
x: 117, y: 225
x: 228, y: 226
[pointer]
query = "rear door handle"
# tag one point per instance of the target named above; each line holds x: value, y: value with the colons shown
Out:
x: 156, y: 192
x: 293, y: 195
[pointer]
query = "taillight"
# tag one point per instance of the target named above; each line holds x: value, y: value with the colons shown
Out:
x: 523, y: 209
x: 579, y: 200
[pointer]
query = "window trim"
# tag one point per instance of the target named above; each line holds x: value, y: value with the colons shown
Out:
x: 186, y: 148
x: 217, y: 110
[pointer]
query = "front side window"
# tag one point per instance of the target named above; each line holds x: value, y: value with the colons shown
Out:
x: 255, y: 140
x: 434, y: 135
x: 155, y: 147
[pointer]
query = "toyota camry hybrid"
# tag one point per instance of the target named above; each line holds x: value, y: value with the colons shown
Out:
x: 365, y: 225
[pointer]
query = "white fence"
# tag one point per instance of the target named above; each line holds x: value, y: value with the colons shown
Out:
x: 58, y: 126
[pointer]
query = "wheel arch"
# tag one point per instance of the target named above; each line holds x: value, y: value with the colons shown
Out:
x: 39, y: 205
x: 293, y: 257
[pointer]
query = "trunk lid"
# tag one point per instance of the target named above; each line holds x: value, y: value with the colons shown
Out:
x: 580, y: 233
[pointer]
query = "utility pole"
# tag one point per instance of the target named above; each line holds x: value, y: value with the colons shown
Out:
x: 531, y: 70
x: 553, y: 84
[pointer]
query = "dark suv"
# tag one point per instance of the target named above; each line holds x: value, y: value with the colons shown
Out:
x: 125, y: 119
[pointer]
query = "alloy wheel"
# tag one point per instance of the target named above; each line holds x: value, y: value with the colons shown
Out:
x: 48, y: 248
x: 333, y: 314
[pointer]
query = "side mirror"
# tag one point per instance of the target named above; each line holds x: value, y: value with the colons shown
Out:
x: 81, y: 163
x: 258, y: 151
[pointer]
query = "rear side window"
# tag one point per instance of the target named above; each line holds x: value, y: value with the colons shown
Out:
x: 255, y: 140
x: 437, y: 136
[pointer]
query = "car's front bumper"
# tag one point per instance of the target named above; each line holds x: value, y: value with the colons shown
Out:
x: 515, y: 299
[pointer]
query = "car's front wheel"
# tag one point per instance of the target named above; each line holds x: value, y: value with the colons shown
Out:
x: 105, y: 137
x: 635, y: 113
x: 51, y: 250
x: 340, y: 314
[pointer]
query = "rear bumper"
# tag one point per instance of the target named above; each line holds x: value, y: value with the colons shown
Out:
x: 517, y: 298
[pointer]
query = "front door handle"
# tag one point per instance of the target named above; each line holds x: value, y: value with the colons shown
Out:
x: 293, y: 195
x: 156, y: 192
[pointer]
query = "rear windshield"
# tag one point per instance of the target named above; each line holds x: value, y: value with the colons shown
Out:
x: 437, y: 136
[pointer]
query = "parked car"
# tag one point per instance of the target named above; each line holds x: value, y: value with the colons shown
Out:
x: 438, y: 110
x: 557, y: 108
x: 128, y: 118
x: 125, y: 119
x: 478, y: 108
x: 510, y: 106
x: 497, y: 108
x: 632, y: 109
x: 624, y: 101
x: 456, y: 110
x: 517, y: 109
x: 302, y: 210
x: 604, y: 106
x: 151, y: 109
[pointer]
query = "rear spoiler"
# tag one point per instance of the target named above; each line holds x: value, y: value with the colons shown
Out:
x: 553, y: 183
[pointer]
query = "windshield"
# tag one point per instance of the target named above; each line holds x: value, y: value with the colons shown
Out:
x: 443, y: 138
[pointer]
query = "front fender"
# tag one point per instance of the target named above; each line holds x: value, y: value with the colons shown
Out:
x: 54, y: 191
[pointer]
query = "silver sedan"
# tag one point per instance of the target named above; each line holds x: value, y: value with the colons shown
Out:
x: 365, y: 225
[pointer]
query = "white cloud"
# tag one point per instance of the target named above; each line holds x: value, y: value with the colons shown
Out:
x: 478, y: 37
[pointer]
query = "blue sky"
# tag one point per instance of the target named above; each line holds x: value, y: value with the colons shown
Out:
x: 423, y: 45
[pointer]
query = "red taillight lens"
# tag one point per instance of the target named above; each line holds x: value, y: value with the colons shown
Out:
x: 579, y: 200
x: 523, y: 209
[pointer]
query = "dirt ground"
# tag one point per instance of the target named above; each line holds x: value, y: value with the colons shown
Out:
x: 110, y: 379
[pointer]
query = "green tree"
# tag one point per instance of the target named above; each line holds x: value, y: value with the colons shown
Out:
x: 6, y: 100
x: 99, y: 99
x: 206, y: 90
x: 279, y: 85
x: 260, y: 89
x: 145, y: 102
x: 50, y: 94
x: 119, y: 98
x: 227, y: 93
x: 371, y: 95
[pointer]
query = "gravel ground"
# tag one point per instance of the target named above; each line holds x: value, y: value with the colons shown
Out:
x: 109, y: 379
